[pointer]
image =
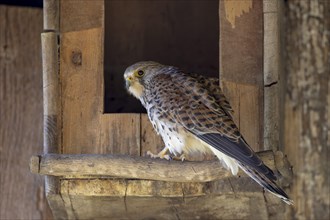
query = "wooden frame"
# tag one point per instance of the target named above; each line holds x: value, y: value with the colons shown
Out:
x: 75, y: 123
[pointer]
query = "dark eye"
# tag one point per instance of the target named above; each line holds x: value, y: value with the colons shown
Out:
x: 140, y: 73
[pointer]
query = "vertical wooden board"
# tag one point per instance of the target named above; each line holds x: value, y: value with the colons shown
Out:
x: 251, y: 115
x: 241, y: 41
x: 241, y: 65
x: 271, y: 117
x: 120, y: 134
x: 22, y: 194
x: 81, y: 75
x: 246, y: 102
x: 79, y: 15
x: 150, y: 141
x: 272, y: 68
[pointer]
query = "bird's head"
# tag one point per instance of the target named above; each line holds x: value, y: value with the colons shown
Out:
x: 136, y: 76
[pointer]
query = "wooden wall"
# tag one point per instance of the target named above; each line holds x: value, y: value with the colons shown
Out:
x: 22, y: 193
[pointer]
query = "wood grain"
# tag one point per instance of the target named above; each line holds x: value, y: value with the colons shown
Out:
x: 52, y: 120
x: 120, y: 134
x: 22, y: 194
x: 51, y: 15
x: 133, y: 199
x: 241, y: 65
x: 306, y: 121
x: 50, y: 91
x: 248, y: 110
x: 85, y: 128
x: 150, y: 141
x: 77, y: 15
x: 272, y: 67
x: 81, y: 89
x: 241, y: 47
x: 136, y: 167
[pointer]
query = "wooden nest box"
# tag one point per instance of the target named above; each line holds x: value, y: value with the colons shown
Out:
x: 94, y: 161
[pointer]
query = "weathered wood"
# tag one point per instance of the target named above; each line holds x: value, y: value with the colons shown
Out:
x: 51, y: 112
x: 120, y: 134
x: 22, y: 195
x: 132, y: 199
x: 132, y: 167
x: 271, y: 66
x: 79, y: 15
x: 113, y: 187
x: 51, y: 15
x: 50, y: 90
x: 307, y: 104
x: 82, y: 89
x: 150, y: 141
x: 247, y: 104
x: 241, y: 65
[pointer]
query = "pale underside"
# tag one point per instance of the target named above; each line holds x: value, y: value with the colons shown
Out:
x: 181, y: 142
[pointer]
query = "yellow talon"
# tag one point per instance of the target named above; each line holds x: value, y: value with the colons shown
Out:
x: 162, y: 155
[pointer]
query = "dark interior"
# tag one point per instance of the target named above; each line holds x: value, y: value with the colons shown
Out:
x: 178, y: 33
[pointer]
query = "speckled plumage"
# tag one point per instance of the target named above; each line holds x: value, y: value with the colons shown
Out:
x: 191, y: 114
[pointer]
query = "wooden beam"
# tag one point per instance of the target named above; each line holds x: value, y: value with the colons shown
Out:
x: 241, y: 65
x: 51, y: 15
x: 134, y: 167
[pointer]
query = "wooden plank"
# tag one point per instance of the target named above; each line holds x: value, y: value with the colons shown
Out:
x: 241, y: 65
x: 247, y: 104
x: 77, y: 15
x: 150, y: 141
x: 120, y: 134
x: 241, y: 41
x: 136, y: 167
x: 22, y: 194
x: 272, y: 66
x: 81, y: 75
x: 117, y: 199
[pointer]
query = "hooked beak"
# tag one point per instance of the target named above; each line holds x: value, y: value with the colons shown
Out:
x: 128, y: 84
x: 128, y: 81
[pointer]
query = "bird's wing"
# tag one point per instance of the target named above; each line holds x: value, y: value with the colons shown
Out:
x: 184, y: 100
x: 212, y: 85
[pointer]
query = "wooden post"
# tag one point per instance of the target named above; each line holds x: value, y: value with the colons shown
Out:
x: 272, y: 67
x: 307, y: 105
x: 49, y: 45
x: 241, y: 65
x: 51, y: 15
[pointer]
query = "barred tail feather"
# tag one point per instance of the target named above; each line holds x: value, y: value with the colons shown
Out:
x: 267, y: 183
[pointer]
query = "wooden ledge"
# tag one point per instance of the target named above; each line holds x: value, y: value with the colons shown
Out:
x: 134, y: 167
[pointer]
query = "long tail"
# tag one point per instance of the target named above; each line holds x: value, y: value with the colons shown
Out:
x: 267, y: 183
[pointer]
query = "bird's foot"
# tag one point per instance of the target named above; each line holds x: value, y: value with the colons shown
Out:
x: 161, y: 155
x: 182, y: 157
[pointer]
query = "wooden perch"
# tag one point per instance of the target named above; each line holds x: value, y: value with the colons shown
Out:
x: 134, y: 167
